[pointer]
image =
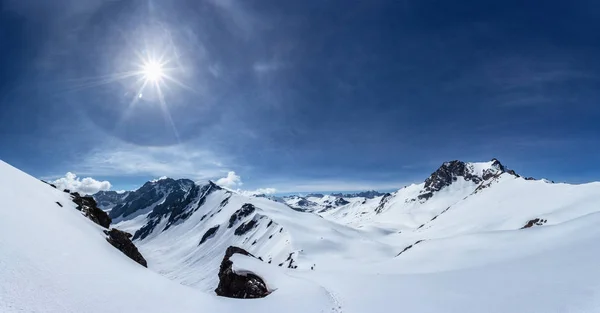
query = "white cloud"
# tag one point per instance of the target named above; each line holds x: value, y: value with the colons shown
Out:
x: 86, y: 185
x: 232, y: 180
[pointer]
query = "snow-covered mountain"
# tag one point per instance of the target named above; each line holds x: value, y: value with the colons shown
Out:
x: 315, y: 202
x: 473, y: 237
x: 108, y: 199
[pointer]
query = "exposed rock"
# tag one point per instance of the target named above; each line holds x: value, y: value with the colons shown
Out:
x: 225, y: 201
x: 382, y: 202
x: 183, y: 198
x: 109, y: 199
x: 245, y: 227
x: 246, y: 210
x: 209, y: 234
x: 407, y: 248
x: 450, y: 171
x: 446, y: 175
x: 60, y: 205
x: 88, y: 206
x: 535, y: 221
x: 233, y: 285
x: 122, y: 241
x: 340, y: 202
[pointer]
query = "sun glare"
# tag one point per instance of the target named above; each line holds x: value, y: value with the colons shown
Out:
x: 153, y: 71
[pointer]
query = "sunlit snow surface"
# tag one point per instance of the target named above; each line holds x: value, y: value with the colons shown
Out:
x: 474, y: 257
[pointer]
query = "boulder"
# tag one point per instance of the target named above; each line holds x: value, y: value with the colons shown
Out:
x: 233, y: 285
x: 122, y: 241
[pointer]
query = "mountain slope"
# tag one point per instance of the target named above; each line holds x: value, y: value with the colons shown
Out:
x: 53, y: 259
x: 205, y: 219
x: 474, y: 257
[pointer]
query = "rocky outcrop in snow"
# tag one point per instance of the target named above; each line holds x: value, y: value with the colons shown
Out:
x: 233, y: 285
x: 122, y: 241
x: 88, y: 206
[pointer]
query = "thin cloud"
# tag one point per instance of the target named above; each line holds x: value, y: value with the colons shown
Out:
x: 180, y: 161
x: 265, y: 67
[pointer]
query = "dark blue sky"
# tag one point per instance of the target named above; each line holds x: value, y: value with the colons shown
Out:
x: 299, y: 95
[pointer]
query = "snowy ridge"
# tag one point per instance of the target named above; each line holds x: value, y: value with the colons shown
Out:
x: 486, y: 240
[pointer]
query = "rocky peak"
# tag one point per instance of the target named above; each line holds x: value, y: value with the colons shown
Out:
x: 150, y: 193
x: 178, y: 205
x: 449, y: 172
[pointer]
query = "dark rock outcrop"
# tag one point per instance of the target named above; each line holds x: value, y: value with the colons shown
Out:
x: 407, y: 248
x: 245, y: 227
x: 446, y: 175
x: 340, y: 202
x: 535, y: 221
x: 88, y: 206
x: 122, y: 241
x: 382, y: 202
x: 246, y: 210
x: 233, y: 285
x: 209, y: 234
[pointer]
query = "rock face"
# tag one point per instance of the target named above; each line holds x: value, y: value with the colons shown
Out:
x: 88, y: 206
x: 150, y: 193
x: 246, y: 210
x: 450, y: 171
x: 109, y: 199
x: 177, y: 200
x: 232, y: 285
x: 122, y: 241
x: 382, y: 202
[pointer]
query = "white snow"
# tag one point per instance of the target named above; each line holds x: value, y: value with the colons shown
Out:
x: 474, y: 256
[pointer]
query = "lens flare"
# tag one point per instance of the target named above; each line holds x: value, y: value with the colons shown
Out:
x: 153, y: 71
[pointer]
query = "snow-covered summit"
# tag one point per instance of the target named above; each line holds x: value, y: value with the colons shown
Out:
x: 450, y: 172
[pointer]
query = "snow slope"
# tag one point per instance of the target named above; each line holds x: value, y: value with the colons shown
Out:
x: 52, y: 259
x: 275, y: 232
x: 460, y: 249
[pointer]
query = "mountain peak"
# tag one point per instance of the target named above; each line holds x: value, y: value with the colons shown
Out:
x: 449, y: 172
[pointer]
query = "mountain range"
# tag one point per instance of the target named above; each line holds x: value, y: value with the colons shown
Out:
x: 472, y: 237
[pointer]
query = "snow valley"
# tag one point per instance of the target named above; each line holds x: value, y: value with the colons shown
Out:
x: 472, y: 237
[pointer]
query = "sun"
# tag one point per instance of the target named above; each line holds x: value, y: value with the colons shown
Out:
x: 153, y: 71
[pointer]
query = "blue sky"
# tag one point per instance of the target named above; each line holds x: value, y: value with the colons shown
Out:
x: 299, y: 95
